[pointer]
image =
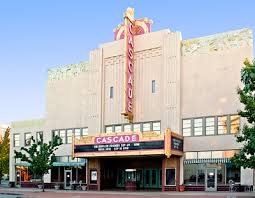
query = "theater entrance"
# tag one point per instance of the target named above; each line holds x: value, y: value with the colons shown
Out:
x: 131, y: 173
x: 143, y: 178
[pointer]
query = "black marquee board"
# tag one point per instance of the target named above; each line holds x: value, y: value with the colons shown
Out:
x: 119, y: 147
x: 176, y: 144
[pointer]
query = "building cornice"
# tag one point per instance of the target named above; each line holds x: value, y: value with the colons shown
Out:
x: 218, y: 42
x: 67, y: 71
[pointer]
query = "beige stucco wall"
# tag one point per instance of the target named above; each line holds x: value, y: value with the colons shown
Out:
x: 66, y: 102
x: 210, y: 75
x: 209, y: 82
x: 210, y: 143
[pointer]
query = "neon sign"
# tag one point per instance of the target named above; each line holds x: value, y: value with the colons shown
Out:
x: 116, y: 139
x: 128, y: 64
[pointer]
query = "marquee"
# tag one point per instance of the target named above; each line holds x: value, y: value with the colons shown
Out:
x: 129, y: 143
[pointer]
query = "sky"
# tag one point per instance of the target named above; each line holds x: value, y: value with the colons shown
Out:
x: 37, y: 35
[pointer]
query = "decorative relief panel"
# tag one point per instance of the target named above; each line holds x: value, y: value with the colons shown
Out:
x: 28, y: 123
x: 153, y: 52
x: 138, y: 55
x: 113, y: 60
x: 67, y: 71
x: 218, y: 42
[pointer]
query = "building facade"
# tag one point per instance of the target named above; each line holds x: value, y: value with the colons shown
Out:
x: 147, y: 111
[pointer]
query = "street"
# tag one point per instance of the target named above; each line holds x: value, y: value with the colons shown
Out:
x: 30, y: 193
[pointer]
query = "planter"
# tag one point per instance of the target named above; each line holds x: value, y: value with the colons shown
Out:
x: 57, y: 187
x: 181, y: 188
x: 84, y: 187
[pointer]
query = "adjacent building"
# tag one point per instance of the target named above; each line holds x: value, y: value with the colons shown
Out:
x: 147, y: 111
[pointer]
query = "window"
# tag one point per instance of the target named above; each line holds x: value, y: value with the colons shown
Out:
x: 201, y: 174
x: 16, y: 140
x: 221, y: 174
x: 234, y: 124
x: 146, y: 127
x: 186, y: 127
x: 54, y: 174
x: 77, y: 133
x: 170, y: 176
x: 93, y: 176
x: 111, y: 92
x: 17, y: 160
x: 62, y: 134
x: 84, y: 131
x: 117, y: 128
x: 153, y: 177
x: 198, y: 126
x: 63, y: 158
x: 71, y: 159
x: 55, y: 133
x: 230, y: 153
x: 153, y: 86
x: 108, y: 129
x: 209, y: 129
x: 222, y: 125
x: 147, y: 177
x: 27, y: 139
x: 211, y: 125
x: 233, y: 173
x: 190, y: 174
x: 127, y: 127
x: 191, y: 155
x: 217, y: 154
x: 39, y: 136
x: 69, y: 135
x: 137, y: 127
x: 204, y: 155
x: 194, y: 174
x: 156, y: 126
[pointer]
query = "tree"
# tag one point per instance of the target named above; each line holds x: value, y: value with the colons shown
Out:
x: 246, y: 157
x: 4, y: 154
x: 39, y: 155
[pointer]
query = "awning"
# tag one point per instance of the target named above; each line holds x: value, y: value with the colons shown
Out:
x: 203, y: 161
x: 75, y: 164
x: 22, y: 164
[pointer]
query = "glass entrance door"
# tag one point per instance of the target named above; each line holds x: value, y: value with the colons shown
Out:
x: 68, y: 179
x: 151, y: 178
x: 139, y: 178
x: 211, y: 179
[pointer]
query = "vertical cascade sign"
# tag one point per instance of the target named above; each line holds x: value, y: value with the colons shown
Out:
x: 128, y: 64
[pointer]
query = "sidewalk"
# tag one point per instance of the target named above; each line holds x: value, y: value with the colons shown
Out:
x: 34, y: 192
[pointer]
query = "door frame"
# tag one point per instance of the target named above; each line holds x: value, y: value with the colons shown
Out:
x: 65, y: 172
x: 215, y: 179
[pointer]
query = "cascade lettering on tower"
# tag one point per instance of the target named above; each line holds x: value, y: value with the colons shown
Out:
x: 127, y: 31
x: 128, y: 64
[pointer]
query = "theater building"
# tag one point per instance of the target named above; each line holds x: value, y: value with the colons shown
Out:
x: 148, y: 111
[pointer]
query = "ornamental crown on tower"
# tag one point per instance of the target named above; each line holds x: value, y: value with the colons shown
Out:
x: 141, y: 26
